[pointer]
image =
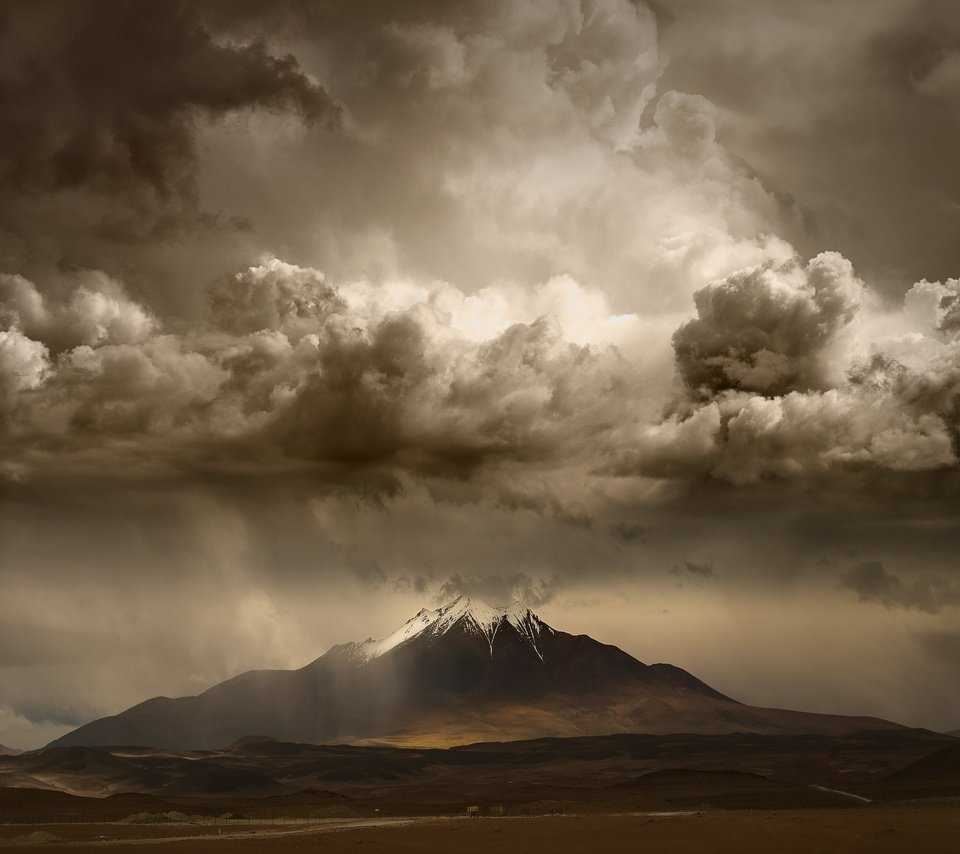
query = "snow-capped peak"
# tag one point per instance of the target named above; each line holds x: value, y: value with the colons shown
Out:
x: 475, y: 615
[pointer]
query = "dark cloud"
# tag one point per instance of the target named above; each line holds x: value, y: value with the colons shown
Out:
x: 692, y: 572
x: 874, y: 583
x: 361, y: 383
x: 292, y: 369
x: 918, y: 55
x: 544, y: 502
x: 396, y: 393
x: 842, y: 104
x: 782, y: 381
x: 629, y: 532
x: 272, y: 297
x: 96, y: 312
x: 768, y: 329
x: 533, y: 138
x: 101, y: 99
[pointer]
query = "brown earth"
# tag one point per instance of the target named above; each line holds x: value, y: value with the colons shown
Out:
x: 884, y: 830
x: 877, y: 792
x: 269, y: 769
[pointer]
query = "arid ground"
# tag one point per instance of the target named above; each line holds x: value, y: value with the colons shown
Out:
x: 928, y: 828
x: 874, y: 793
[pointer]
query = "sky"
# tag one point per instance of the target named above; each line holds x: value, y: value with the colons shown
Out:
x: 315, y: 313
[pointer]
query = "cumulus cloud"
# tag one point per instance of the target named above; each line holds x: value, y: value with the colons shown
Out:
x: 275, y: 297
x: 426, y: 380
x: 398, y: 391
x: 873, y: 582
x: 676, y: 447
x: 791, y: 370
x: 122, y: 389
x: 801, y: 434
x: 544, y: 130
x: 688, y: 124
x: 536, y: 140
x: 934, y: 305
x: 290, y: 367
x: 768, y: 329
x: 97, y: 312
x: 23, y: 363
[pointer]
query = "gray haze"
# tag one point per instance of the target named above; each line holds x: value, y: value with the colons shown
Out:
x: 312, y: 315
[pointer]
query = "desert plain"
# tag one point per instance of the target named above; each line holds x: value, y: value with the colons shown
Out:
x: 876, y: 793
x: 911, y: 828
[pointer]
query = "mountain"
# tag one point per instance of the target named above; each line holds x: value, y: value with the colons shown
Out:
x: 463, y: 673
x: 9, y: 751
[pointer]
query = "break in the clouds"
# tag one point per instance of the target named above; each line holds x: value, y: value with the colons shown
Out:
x: 310, y: 310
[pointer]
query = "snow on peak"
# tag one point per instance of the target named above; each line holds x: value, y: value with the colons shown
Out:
x: 411, y: 628
x: 475, y: 615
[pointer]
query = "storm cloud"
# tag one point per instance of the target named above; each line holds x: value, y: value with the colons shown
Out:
x: 101, y: 98
x: 768, y: 329
x: 788, y: 372
x: 850, y: 120
x: 290, y: 367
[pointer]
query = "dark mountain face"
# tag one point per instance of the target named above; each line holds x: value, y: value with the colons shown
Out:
x: 466, y: 672
x: 942, y: 764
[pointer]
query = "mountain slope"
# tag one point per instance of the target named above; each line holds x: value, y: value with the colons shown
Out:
x: 942, y: 764
x: 465, y: 672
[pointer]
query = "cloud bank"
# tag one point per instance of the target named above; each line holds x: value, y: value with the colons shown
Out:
x: 289, y: 368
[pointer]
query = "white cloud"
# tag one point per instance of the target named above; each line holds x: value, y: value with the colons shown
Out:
x: 23, y: 362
